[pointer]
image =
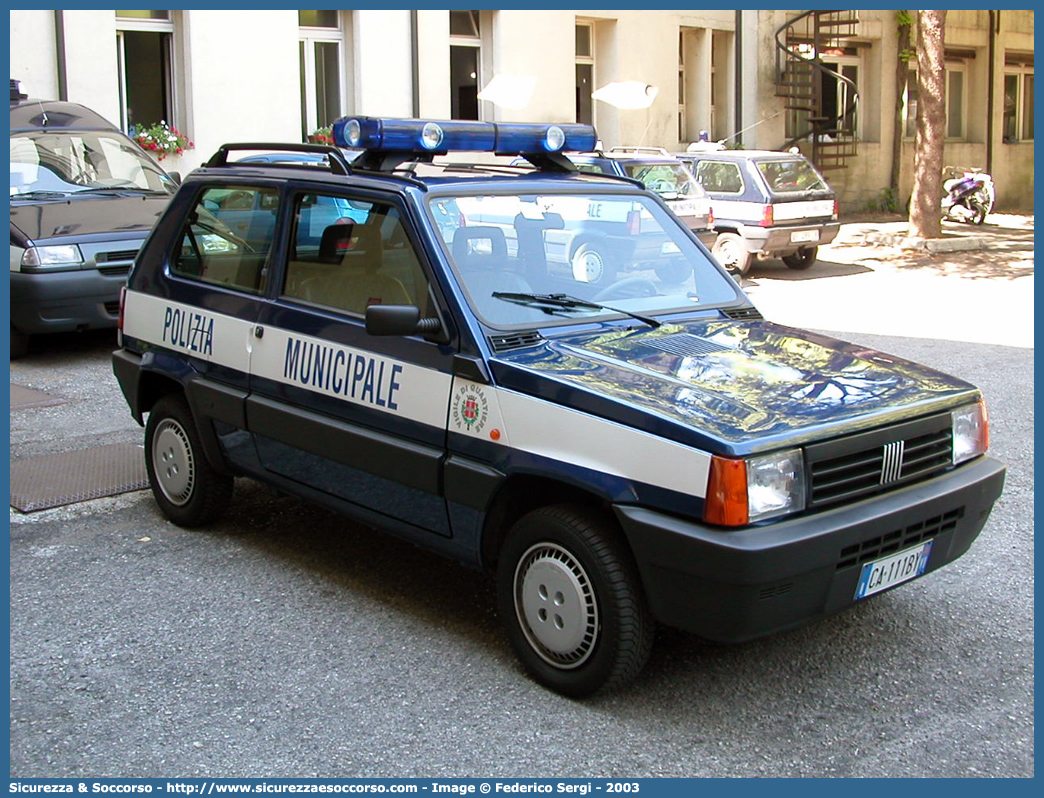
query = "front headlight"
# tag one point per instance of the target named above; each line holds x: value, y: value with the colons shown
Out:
x: 775, y: 484
x: 52, y: 257
x: 742, y: 491
x: 971, y: 432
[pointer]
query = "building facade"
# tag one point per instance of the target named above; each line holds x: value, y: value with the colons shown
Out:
x: 236, y: 75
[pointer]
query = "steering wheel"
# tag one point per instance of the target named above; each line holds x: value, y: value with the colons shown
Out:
x: 627, y: 288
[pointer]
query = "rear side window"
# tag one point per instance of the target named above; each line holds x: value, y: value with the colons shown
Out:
x: 790, y: 175
x: 227, y: 238
x: 720, y: 176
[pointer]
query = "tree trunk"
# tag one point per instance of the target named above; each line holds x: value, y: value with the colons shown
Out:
x: 902, y: 73
x: 925, y: 204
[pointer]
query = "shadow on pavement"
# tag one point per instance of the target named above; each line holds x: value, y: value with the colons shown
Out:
x: 776, y: 270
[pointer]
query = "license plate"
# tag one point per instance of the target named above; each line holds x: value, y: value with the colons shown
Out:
x: 804, y: 236
x: 684, y: 208
x: 896, y: 569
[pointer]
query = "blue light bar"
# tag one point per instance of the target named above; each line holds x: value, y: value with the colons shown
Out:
x: 518, y: 139
x: 438, y: 137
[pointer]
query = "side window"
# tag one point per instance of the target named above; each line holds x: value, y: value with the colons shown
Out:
x: 720, y: 176
x: 592, y: 168
x: 228, y: 236
x: 351, y: 253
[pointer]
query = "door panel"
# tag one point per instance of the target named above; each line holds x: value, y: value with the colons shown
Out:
x: 359, y: 417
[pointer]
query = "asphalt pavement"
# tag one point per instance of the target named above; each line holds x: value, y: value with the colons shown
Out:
x: 286, y: 641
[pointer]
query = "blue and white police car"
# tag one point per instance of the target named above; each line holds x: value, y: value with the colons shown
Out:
x: 620, y: 446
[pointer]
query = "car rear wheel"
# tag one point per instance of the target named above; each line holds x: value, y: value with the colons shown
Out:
x: 572, y: 602
x: 19, y: 343
x: 187, y: 488
x: 801, y: 259
x: 732, y: 253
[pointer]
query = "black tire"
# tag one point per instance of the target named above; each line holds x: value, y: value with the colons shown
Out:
x: 187, y: 488
x: 802, y: 259
x: 19, y: 343
x: 572, y: 603
x: 732, y: 253
x: 591, y: 263
x: 978, y: 211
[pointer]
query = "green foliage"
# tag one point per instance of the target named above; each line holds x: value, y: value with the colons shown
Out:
x: 161, y: 139
x: 904, y: 19
x: 886, y: 202
x: 322, y: 135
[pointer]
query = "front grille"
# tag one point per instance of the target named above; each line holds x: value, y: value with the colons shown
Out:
x: 113, y: 271
x: 861, y: 465
x: 899, y: 539
x: 111, y: 257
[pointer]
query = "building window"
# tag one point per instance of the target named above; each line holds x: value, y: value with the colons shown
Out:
x: 321, y: 61
x: 584, y: 73
x: 465, y: 61
x: 144, y: 55
x: 837, y: 96
x: 1018, y: 102
x: 681, y: 87
x: 956, y: 83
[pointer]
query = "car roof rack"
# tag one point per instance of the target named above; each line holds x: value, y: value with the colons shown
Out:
x: 337, y: 162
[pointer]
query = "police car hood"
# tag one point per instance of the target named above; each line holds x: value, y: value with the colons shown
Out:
x: 728, y: 386
x: 78, y: 215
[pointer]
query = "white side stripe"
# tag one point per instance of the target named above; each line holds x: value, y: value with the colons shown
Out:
x: 506, y: 418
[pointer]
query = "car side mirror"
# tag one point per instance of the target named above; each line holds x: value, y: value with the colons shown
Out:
x: 399, y: 320
x: 176, y: 177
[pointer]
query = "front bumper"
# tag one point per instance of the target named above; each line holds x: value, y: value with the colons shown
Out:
x: 64, y: 301
x: 732, y: 586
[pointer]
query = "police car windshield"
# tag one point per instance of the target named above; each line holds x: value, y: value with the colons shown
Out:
x: 74, y: 161
x: 617, y: 250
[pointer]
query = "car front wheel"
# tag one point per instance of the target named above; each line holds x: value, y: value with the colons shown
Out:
x: 187, y: 488
x: 19, y: 343
x: 571, y: 601
x: 732, y: 253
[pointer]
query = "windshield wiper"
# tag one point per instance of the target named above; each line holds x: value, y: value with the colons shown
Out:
x: 569, y: 302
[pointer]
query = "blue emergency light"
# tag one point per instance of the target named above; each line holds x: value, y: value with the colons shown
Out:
x: 438, y: 137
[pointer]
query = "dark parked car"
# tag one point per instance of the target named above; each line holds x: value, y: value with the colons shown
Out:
x: 766, y: 205
x: 83, y: 198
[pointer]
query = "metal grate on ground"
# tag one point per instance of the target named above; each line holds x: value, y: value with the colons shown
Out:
x: 22, y: 398
x: 40, y: 483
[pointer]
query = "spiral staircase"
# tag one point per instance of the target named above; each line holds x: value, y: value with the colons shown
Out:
x: 804, y: 81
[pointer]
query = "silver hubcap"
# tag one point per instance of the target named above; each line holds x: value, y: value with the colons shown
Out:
x: 172, y: 462
x: 588, y: 266
x: 728, y: 254
x: 556, y: 606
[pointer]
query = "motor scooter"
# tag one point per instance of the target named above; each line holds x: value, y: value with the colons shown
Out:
x: 970, y: 195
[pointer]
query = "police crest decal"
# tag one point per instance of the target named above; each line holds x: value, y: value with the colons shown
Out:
x: 470, y: 409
